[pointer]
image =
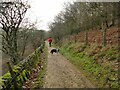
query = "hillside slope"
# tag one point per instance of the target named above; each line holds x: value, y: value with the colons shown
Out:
x: 99, y: 63
x: 96, y: 36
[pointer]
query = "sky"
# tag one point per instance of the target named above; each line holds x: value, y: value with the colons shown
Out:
x: 44, y: 11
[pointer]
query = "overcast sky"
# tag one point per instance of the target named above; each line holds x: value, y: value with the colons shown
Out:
x: 44, y: 11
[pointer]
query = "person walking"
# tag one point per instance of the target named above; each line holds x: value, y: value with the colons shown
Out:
x: 50, y: 41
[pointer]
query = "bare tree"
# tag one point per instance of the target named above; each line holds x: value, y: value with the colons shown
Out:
x: 23, y: 36
x: 11, y: 16
x: 84, y: 16
x: 37, y: 37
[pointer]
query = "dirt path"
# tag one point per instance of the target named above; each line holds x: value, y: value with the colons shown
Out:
x: 61, y: 73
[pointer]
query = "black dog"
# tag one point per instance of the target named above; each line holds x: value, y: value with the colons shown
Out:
x: 54, y: 51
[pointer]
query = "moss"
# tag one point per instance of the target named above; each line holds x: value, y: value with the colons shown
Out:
x: 6, y: 76
x: 39, y: 81
x: 22, y: 75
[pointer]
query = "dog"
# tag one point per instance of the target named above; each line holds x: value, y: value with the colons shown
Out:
x: 54, y: 50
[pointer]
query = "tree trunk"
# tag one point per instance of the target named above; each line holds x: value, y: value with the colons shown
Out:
x: 24, y: 46
x: 13, y: 50
x: 104, y: 37
x: 104, y: 33
x: 23, y: 51
x: 75, y: 39
x: 86, y: 38
x: 106, y: 24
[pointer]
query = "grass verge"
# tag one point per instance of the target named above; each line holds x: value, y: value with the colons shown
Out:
x: 98, y: 63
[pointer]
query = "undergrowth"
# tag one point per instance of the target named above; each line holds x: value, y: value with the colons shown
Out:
x: 98, y: 63
x: 39, y: 82
x: 21, y: 72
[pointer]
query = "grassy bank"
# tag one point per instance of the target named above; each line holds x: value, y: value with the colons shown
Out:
x: 99, y: 64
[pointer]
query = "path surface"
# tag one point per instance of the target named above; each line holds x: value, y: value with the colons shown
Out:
x: 61, y: 73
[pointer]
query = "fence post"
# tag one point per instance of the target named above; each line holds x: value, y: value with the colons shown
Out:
x: 13, y: 76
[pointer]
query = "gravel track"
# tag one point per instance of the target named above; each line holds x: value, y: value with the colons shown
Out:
x: 60, y: 73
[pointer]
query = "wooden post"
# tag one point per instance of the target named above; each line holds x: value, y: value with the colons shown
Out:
x: 13, y: 76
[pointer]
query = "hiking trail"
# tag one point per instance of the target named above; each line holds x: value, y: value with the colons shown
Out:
x: 60, y: 73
